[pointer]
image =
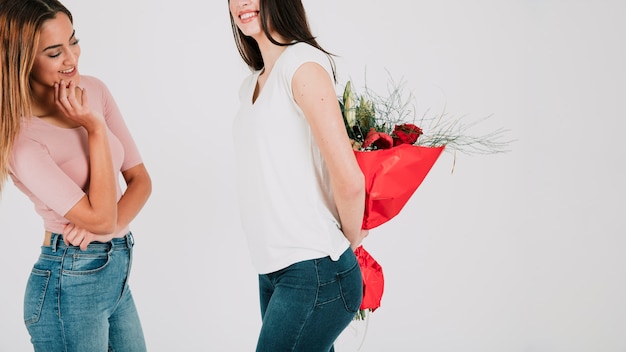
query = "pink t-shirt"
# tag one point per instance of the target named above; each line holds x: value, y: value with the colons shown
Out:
x: 50, y: 164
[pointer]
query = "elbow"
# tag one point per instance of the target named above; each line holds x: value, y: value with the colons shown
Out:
x: 148, y: 186
x: 353, y: 187
x: 142, y: 188
x: 100, y: 220
x: 104, y: 226
x: 100, y: 223
x: 139, y: 181
x: 358, y: 186
x: 110, y: 226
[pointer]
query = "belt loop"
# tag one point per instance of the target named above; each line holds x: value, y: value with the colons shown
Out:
x: 130, y: 240
x: 54, y: 239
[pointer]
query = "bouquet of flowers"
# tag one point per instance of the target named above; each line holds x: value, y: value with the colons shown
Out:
x: 395, y: 157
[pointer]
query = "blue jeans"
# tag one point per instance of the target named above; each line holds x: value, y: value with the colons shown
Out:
x: 79, y: 301
x: 308, y: 304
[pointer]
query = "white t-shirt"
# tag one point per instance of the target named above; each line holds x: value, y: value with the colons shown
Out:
x: 287, y: 209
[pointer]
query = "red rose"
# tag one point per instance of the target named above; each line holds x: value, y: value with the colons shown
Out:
x: 406, y: 133
x: 380, y: 140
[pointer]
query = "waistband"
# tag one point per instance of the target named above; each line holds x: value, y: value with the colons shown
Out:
x: 128, y: 241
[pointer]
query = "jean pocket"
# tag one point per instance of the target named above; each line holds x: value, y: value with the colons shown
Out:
x: 36, y: 288
x: 351, y: 286
x: 87, y: 263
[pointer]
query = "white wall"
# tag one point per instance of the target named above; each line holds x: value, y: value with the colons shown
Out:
x: 516, y: 252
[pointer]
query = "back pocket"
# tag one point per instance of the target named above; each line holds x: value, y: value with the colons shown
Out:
x: 36, y: 288
x: 351, y: 285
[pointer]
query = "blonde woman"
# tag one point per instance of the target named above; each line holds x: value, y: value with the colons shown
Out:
x: 64, y: 144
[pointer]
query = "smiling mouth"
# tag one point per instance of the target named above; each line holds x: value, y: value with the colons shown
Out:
x: 248, y: 15
x: 69, y: 70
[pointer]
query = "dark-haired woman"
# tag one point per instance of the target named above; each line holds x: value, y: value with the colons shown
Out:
x: 301, y: 190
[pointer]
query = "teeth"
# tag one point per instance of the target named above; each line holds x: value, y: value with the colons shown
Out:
x: 68, y: 70
x: 247, y: 15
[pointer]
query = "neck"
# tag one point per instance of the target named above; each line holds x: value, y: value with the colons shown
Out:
x: 43, y: 100
x: 270, y: 51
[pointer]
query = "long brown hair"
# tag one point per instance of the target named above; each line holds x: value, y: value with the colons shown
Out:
x: 288, y: 19
x: 20, y: 26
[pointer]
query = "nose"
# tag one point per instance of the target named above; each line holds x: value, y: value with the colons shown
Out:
x: 72, y: 57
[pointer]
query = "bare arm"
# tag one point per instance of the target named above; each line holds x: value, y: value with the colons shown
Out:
x: 96, y: 211
x: 139, y: 188
x: 314, y: 92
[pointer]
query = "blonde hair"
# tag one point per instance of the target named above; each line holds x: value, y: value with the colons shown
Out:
x: 20, y: 26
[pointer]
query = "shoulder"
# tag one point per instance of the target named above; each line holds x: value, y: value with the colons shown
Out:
x: 97, y: 90
x: 305, y: 52
x: 305, y: 48
x: 29, y: 140
x: 88, y: 82
x: 298, y: 54
x: 95, y: 86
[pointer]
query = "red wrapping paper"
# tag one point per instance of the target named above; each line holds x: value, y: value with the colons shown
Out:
x: 373, y: 280
x: 391, y: 177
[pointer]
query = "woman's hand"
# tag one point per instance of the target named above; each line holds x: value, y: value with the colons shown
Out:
x: 77, y: 236
x: 73, y: 102
x: 97, y: 210
x: 314, y: 92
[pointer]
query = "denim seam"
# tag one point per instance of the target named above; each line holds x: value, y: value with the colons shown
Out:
x: 125, y: 284
x: 310, y: 312
x: 59, y: 284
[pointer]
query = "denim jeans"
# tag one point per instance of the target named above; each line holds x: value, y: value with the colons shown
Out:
x: 79, y: 301
x: 308, y: 304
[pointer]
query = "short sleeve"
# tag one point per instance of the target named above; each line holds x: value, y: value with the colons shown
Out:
x: 117, y: 125
x: 34, y: 171
x: 298, y: 55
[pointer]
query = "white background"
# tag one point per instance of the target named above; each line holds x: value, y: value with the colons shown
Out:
x: 522, y: 251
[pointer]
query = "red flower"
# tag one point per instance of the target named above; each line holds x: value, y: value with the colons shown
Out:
x: 380, y: 140
x: 406, y: 133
